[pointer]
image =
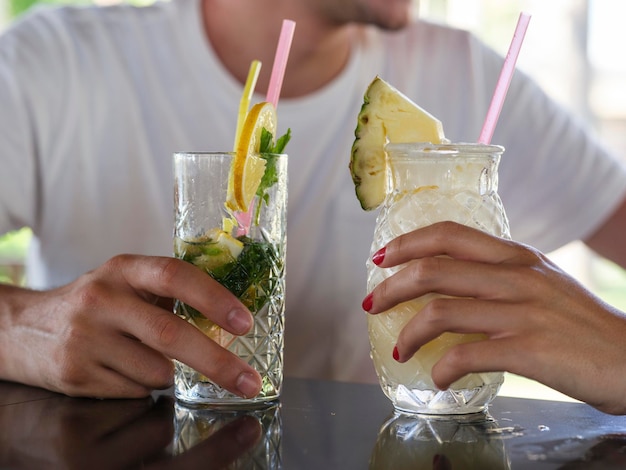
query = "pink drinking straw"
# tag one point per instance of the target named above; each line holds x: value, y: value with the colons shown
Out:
x: 280, y: 61
x: 244, y: 219
x: 504, y: 81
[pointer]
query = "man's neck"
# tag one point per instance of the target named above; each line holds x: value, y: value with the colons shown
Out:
x: 241, y: 31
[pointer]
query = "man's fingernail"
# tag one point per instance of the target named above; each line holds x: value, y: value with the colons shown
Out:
x: 240, y: 321
x: 248, y: 385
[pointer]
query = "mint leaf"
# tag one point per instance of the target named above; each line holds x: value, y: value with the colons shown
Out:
x: 266, y: 141
x: 269, y: 177
x: 282, y: 142
x: 269, y: 153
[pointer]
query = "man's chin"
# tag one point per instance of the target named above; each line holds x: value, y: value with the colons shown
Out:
x: 392, y: 15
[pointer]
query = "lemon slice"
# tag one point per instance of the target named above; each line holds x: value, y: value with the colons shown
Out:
x: 210, y: 252
x: 248, y: 167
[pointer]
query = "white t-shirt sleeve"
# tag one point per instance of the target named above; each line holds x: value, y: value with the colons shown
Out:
x: 18, y: 172
x: 557, y: 182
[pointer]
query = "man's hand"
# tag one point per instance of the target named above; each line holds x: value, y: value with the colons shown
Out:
x: 112, y: 333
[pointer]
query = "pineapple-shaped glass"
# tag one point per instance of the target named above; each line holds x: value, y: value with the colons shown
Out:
x: 428, y: 184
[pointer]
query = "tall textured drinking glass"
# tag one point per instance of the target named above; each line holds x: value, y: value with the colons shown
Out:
x: 245, y: 252
x: 433, y: 183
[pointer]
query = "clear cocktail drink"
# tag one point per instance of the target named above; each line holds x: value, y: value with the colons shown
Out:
x: 243, y: 251
x: 429, y: 184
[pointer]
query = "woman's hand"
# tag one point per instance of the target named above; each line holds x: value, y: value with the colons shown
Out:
x: 539, y: 322
x: 112, y: 333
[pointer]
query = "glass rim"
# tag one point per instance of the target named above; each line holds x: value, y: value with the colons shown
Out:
x: 230, y: 153
x: 445, y: 149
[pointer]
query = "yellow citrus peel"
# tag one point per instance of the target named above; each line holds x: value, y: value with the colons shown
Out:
x: 246, y: 97
x: 248, y: 167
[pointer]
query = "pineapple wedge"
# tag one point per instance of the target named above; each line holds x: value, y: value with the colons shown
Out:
x: 386, y: 116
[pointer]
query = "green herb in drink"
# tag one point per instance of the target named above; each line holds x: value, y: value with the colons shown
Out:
x: 247, y: 268
x: 269, y: 153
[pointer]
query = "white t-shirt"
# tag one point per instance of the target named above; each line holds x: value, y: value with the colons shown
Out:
x: 94, y: 101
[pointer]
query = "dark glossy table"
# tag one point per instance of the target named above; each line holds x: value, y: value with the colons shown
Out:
x: 316, y: 425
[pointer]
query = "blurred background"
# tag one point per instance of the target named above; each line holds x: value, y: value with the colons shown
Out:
x: 573, y: 48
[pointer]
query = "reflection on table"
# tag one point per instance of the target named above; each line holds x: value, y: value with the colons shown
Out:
x: 440, y: 443
x: 47, y: 431
x: 231, y: 439
x: 316, y: 425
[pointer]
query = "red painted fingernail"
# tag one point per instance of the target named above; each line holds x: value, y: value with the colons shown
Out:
x: 396, y: 354
x: 368, y: 301
x: 379, y: 256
